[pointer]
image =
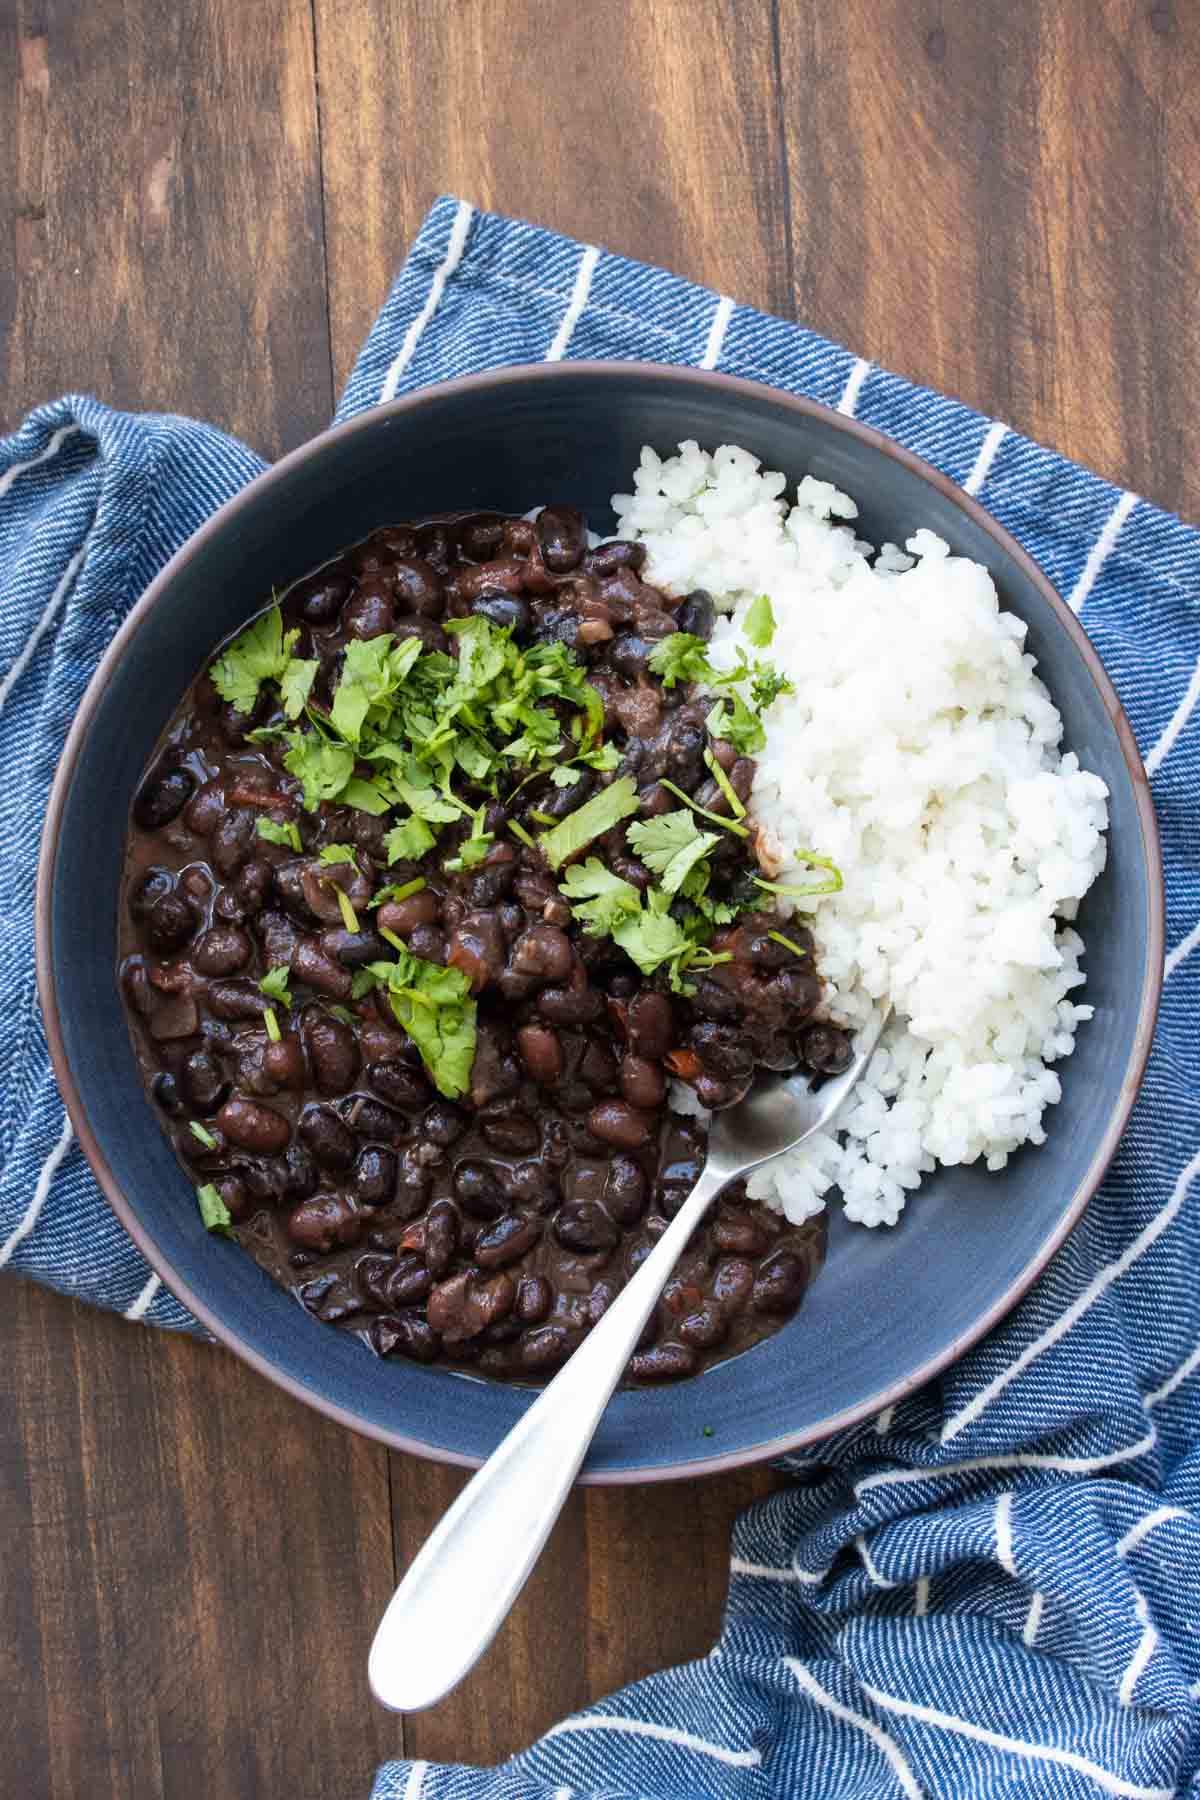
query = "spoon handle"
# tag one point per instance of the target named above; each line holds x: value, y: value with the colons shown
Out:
x: 458, y: 1591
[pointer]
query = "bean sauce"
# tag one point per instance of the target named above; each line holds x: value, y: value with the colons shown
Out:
x: 491, y: 1231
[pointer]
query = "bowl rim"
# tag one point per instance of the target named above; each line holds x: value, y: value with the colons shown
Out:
x: 601, y: 372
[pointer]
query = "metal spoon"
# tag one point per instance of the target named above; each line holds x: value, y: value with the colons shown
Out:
x: 458, y: 1591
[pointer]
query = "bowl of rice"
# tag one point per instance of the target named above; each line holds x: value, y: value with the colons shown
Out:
x: 948, y: 790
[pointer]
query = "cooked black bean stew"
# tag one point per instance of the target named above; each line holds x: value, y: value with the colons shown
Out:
x: 443, y: 869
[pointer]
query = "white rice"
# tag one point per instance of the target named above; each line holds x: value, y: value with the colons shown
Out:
x: 921, y: 752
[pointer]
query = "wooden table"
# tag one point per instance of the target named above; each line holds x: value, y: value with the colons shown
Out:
x: 203, y: 205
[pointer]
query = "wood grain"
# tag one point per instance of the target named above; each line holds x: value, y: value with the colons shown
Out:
x: 999, y: 200
x: 164, y: 212
x: 650, y: 129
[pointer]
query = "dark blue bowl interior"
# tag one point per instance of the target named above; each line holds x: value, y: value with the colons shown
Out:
x: 888, y: 1303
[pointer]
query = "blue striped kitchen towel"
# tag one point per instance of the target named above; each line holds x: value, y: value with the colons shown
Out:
x: 993, y: 1587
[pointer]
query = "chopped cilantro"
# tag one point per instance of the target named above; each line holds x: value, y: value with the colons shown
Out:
x: 758, y: 626
x: 726, y: 786
x: 795, y: 891
x: 519, y: 831
x: 288, y: 835
x: 295, y: 685
x: 408, y: 842
x: 591, y: 820
x: 392, y: 891
x: 206, y: 1137
x: 708, y: 1431
x: 349, y: 916
x: 474, y: 846
x: 260, y: 653
x: 787, y: 942
x: 341, y: 1012
x: 599, y: 898
x: 322, y: 765
x: 767, y: 684
x: 717, y: 818
x: 272, y: 1025
x: 732, y: 721
x: 564, y: 778
x: 434, y: 1007
x: 368, y: 796
x: 338, y: 853
x: 671, y: 846
x: 213, y: 1211
x: 274, y: 985
x: 681, y: 657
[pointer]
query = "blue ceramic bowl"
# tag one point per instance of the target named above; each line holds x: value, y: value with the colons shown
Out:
x: 890, y: 1308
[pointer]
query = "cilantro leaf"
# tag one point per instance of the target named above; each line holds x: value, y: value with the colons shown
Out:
x: 368, y: 796
x: 213, y: 1211
x: 258, y: 654
x: 650, y: 939
x: 395, y: 890
x: 681, y: 657
x: 591, y: 820
x: 434, y: 1007
x: 288, y: 835
x: 671, y: 846
x: 767, y: 685
x: 323, y: 766
x: 295, y: 685
x: 474, y: 846
x: 338, y: 853
x: 408, y: 842
x: 274, y: 984
x: 732, y: 721
x: 759, y: 623
x: 599, y: 898
x: 564, y: 778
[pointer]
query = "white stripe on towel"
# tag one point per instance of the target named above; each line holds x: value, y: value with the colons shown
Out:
x: 854, y: 381
x: 929, y: 1715
x: 1143, y: 1527
x: 454, y: 249
x: 58, y: 437
x: 883, y: 1422
x: 1071, y: 1315
x: 1016, y: 1459
x: 1179, y: 719
x: 43, y: 625
x: 1181, y: 952
x: 1100, y: 550
x: 987, y: 455
x: 416, y: 1781
x: 49, y: 1170
x: 1004, y: 1538
x: 809, y: 1577
x: 666, y: 1734
x: 921, y: 1597
x: 879, y: 1737
x: 716, y: 333
x: 1187, y: 1367
x: 576, y: 304
x: 870, y: 1565
x: 144, y: 1300
x: 1137, y: 1663
x: 1033, y: 1621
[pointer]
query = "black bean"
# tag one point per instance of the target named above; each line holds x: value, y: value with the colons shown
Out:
x: 506, y: 1240
x: 650, y: 1025
x: 352, y: 948
x: 712, y: 1001
x: 143, y: 894
x: 477, y: 947
x: 598, y: 1067
x: 251, y: 884
x: 431, y: 635
x: 570, y: 1005
x: 300, y: 1174
x: 827, y: 1049
x: 325, y: 1220
x: 643, y: 1083
x: 373, y: 1177
x: 616, y: 1122
x: 406, y: 1334
x: 463, y: 1306
x: 511, y: 612
x: 478, y: 1190
x: 203, y: 1083
x: 320, y: 598
x: 665, y: 1362
x: 328, y: 1137
x: 332, y: 1050
x: 600, y: 1299
x: 399, y: 1085
x: 253, y: 1127
x: 165, y: 1089
x: 625, y: 1190
x: 733, y: 1282
x: 543, y: 952
x: 723, y: 1051
x: 617, y: 553
x: 409, y: 1281
x: 369, y: 614
x: 697, y: 614
x: 780, y: 1282
x: 489, y: 885
x: 370, y: 1118
x: 418, y: 587
x: 480, y: 536
x: 437, y: 542
x: 629, y: 654
x: 162, y: 797
x: 221, y: 950
x: 544, y: 1348
x: 232, y: 841
x: 583, y: 1225
x: 316, y: 969
x: 427, y: 942
x: 541, y: 1053
x: 401, y: 916
x: 704, y: 1328
x: 507, y: 1127
x: 170, y: 923
x: 441, y: 1237
x: 535, y: 1297
x: 534, y: 1184
x: 443, y: 1124
x: 562, y: 534
x: 284, y: 1062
